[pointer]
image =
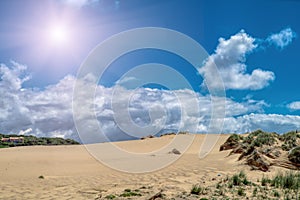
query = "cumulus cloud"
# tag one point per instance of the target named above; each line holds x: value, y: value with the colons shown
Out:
x: 230, y: 57
x: 41, y: 112
x: 282, y: 39
x: 294, y: 105
x: 267, y: 122
x: 49, y: 112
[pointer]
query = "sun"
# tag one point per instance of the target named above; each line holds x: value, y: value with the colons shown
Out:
x: 58, y: 35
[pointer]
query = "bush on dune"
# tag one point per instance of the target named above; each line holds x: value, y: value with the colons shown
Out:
x: 264, y: 138
x: 231, y: 143
x: 294, y: 155
x: 290, y: 140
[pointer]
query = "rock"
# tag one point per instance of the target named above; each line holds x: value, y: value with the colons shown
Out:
x: 175, y: 151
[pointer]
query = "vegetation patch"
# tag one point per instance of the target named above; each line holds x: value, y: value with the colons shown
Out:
x: 281, y: 186
x: 29, y: 140
x: 294, y: 155
x: 232, y: 142
x: 290, y: 140
x: 197, y: 189
x: 129, y: 193
x: 261, y: 150
x: 110, y: 196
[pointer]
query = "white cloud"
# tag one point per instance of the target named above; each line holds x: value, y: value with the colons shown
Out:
x: 42, y: 112
x: 126, y: 81
x: 48, y: 112
x: 79, y: 3
x: 282, y: 39
x: 13, y: 78
x: 24, y: 132
x: 267, y: 122
x: 230, y: 57
x: 294, y: 105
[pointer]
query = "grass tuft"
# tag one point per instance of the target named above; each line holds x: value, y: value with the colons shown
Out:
x: 110, y: 196
x: 241, y: 191
x: 196, y: 189
x: 129, y: 193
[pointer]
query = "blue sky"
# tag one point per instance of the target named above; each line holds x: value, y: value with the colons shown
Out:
x: 255, y: 45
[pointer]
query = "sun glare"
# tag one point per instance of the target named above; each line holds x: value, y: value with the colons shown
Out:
x: 58, y: 35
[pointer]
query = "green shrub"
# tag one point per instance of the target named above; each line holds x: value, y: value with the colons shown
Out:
x: 289, y: 180
x: 289, y: 136
x: 129, y: 193
x: 110, y: 196
x: 11, y: 145
x: 248, y: 139
x: 3, y: 146
x: 245, y: 181
x: 241, y: 191
x: 265, y: 181
x: 290, y: 140
x: 294, y: 155
x: 254, y: 192
x: 234, y: 138
x: 30, y: 140
x: 196, y: 189
x: 256, y: 133
x: 276, y: 193
x: 236, y: 180
x: 239, y: 179
x: 264, y: 139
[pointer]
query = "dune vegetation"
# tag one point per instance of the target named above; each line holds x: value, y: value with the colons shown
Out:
x: 30, y: 140
x: 261, y: 150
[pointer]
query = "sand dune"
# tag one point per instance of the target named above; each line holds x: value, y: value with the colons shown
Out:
x: 70, y: 172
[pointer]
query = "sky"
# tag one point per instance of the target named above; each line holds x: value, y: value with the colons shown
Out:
x: 254, y: 45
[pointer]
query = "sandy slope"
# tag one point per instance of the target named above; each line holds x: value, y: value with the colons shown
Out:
x: 72, y: 173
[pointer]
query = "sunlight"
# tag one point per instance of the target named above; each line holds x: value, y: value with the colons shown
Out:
x: 58, y: 34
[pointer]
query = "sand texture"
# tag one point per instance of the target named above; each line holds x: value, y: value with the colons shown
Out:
x: 70, y: 172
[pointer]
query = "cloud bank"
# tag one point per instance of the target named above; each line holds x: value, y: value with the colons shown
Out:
x: 48, y: 112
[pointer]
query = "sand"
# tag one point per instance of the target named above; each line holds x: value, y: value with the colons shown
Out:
x: 70, y: 172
